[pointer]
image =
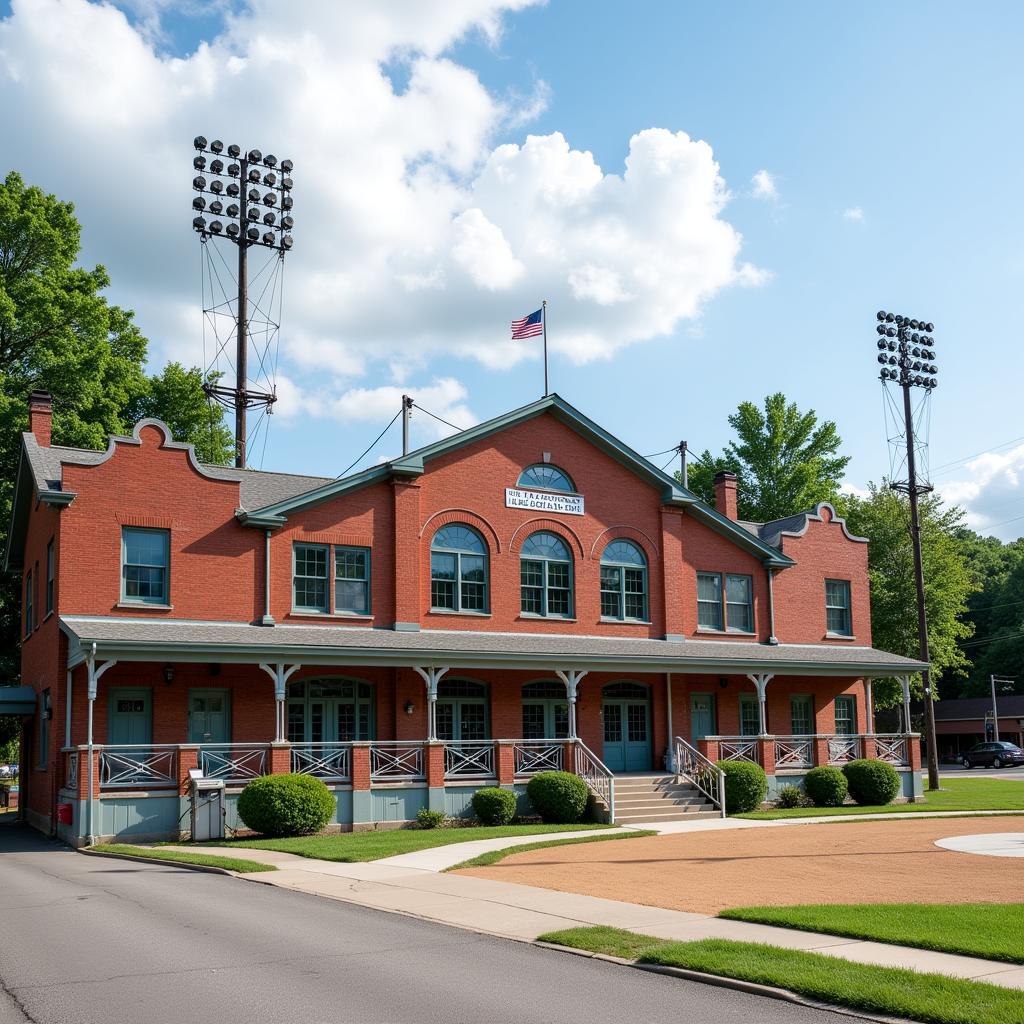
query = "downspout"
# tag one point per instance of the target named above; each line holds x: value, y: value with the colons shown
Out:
x: 773, y: 640
x: 91, y: 693
x: 268, y: 619
x: 670, y: 754
x: 67, y: 711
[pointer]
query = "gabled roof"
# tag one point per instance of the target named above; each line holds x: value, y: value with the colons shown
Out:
x: 796, y: 525
x: 413, y: 464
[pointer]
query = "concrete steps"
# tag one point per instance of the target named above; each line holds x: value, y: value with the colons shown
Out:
x: 658, y: 798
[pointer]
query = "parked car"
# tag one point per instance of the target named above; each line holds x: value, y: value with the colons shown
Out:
x: 993, y: 755
x: 8, y: 771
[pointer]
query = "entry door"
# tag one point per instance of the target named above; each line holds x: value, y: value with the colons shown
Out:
x: 208, y: 720
x: 131, y: 717
x: 462, y: 719
x: 702, y: 716
x: 627, y: 734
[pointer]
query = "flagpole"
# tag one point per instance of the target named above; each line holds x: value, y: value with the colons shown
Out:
x: 544, y: 328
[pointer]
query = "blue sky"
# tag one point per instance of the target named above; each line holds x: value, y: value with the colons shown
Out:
x: 888, y: 135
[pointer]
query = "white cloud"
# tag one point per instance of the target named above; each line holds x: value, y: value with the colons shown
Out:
x: 763, y: 186
x: 854, y: 213
x: 991, y: 490
x: 417, y: 233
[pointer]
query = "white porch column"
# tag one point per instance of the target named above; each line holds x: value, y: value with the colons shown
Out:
x: 869, y: 709
x: 572, y: 678
x: 93, y: 685
x: 280, y: 674
x: 905, y: 683
x: 760, y: 681
x: 431, y: 676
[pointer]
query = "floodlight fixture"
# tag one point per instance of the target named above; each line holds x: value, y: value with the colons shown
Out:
x: 199, y: 142
x: 270, y: 160
x: 217, y: 146
x: 286, y: 166
x: 234, y: 152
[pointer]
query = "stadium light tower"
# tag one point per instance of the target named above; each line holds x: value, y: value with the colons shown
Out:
x: 248, y: 197
x: 907, y: 357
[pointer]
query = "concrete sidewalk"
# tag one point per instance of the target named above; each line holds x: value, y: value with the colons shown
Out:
x: 525, y: 912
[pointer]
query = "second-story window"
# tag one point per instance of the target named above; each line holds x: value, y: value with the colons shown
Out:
x: 309, y: 593
x: 458, y: 570
x: 50, y: 570
x: 739, y: 604
x: 545, y: 575
x: 709, y: 600
x: 29, y: 603
x: 352, y: 580
x: 725, y: 607
x: 623, y: 581
x: 145, y: 564
x: 837, y: 607
x: 545, y: 477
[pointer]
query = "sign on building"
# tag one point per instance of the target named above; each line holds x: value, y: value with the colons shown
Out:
x: 538, y: 501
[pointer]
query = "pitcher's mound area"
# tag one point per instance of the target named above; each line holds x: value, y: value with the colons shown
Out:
x: 842, y: 862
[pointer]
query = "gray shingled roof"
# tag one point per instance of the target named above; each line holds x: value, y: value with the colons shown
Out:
x: 1010, y: 706
x: 145, y: 638
x: 258, y: 488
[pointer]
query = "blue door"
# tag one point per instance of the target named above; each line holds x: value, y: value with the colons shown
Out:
x: 627, y: 727
x: 131, y: 717
x: 702, y: 716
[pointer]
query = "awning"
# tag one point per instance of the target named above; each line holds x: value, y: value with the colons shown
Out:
x: 127, y: 639
x: 17, y: 700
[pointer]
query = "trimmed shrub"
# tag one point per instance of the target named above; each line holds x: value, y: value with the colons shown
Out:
x: 429, y: 819
x: 872, y: 783
x: 494, y: 806
x: 791, y: 796
x: 286, y: 805
x: 746, y: 786
x: 558, y: 797
x: 826, y: 786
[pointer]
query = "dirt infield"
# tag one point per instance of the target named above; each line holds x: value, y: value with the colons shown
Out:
x: 841, y: 862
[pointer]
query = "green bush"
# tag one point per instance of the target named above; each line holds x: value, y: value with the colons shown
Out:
x: 791, y: 796
x: 494, y: 806
x: 558, y: 797
x: 872, y: 783
x: 746, y: 786
x: 826, y: 786
x: 429, y: 819
x: 286, y: 805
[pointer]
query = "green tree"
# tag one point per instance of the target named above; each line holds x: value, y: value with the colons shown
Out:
x: 784, y: 460
x: 59, y: 332
x: 884, y: 517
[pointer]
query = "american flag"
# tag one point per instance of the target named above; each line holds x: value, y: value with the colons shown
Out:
x: 529, y: 326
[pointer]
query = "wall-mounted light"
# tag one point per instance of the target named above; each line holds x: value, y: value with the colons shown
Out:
x: 168, y: 674
x: 723, y: 683
x: 409, y: 707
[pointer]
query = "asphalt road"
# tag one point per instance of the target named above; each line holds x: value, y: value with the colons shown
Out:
x: 97, y: 940
x: 957, y: 771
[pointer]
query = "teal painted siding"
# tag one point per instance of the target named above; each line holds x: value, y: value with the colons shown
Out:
x: 458, y: 801
x: 397, y: 804
x: 123, y: 817
x: 911, y: 783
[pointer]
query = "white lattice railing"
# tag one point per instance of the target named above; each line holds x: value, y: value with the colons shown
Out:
x: 468, y: 760
x: 233, y: 762
x: 893, y: 749
x: 138, y: 767
x: 737, y: 749
x: 593, y: 771
x: 331, y: 762
x: 794, y: 752
x: 396, y: 761
x: 692, y: 765
x: 843, y: 749
x: 533, y: 756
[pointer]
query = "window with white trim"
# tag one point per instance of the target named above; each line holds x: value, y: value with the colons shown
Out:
x: 545, y: 576
x: 846, y: 716
x: 750, y: 715
x: 709, y: 600
x: 623, y: 582
x: 145, y: 565
x: 727, y: 607
x: 458, y: 570
x: 544, y: 477
x: 837, y: 607
x: 309, y: 588
x: 352, y: 580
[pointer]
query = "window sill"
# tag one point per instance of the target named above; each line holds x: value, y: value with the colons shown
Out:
x: 625, y: 622
x: 144, y: 606
x: 453, y: 611
x: 331, y: 616
x: 709, y: 631
x: 840, y: 636
x: 533, y: 617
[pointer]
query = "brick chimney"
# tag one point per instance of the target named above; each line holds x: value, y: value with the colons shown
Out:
x: 725, y: 495
x: 40, y: 416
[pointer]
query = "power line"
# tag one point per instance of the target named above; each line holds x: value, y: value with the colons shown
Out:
x: 372, y: 445
x: 436, y: 417
x: 988, y: 451
x: 991, y: 640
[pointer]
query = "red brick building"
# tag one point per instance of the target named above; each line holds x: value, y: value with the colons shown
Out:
x: 528, y: 593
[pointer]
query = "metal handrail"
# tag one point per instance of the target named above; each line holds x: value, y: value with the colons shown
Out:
x: 233, y: 762
x: 701, y: 772
x: 328, y: 761
x: 596, y: 774
x: 540, y: 755
x: 396, y: 760
x: 469, y: 759
x: 135, y: 765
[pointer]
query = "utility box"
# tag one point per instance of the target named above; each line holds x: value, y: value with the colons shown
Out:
x: 207, y: 807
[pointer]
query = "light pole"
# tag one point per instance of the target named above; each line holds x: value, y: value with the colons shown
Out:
x: 906, y: 356
x: 258, y: 212
x: 1002, y: 680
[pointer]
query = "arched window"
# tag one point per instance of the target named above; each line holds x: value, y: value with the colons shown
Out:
x: 623, y: 582
x: 545, y: 576
x: 546, y: 478
x: 458, y: 569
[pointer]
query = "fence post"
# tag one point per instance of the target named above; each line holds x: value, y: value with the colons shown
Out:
x: 280, y: 760
x: 766, y: 753
x: 869, y: 747
x: 506, y: 765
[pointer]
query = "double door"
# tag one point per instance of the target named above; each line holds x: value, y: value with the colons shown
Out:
x: 626, y: 711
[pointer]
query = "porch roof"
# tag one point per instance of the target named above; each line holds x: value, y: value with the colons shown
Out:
x: 127, y: 639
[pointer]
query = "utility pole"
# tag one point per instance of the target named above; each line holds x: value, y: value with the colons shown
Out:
x: 406, y: 417
x: 682, y: 459
x: 906, y: 357
x: 993, y: 679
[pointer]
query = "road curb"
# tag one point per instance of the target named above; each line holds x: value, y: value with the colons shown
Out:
x: 720, y: 981
x: 208, y: 868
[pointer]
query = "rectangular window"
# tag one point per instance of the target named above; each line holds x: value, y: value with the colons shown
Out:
x: 45, y: 714
x: 837, y: 607
x: 310, y: 581
x: 635, y: 589
x: 443, y: 571
x: 750, y: 718
x: 739, y: 604
x: 29, y: 609
x: 709, y: 600
x: 801, y: 716
x: 611, y: 584
x: 145, y: 561
x: 50, y: 569
x: 352, y: 580
x: 846, y: 716
x: 473, y: 586
x: 531, y: 580
x: 558, y: 588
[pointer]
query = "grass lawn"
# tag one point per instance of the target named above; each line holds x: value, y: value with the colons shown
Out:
x: 891, y: 991
x: 955, y: 795
x: 494, y: 856
x: 350, y: 847
x: 994, y: 931
x: 183, y: 857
